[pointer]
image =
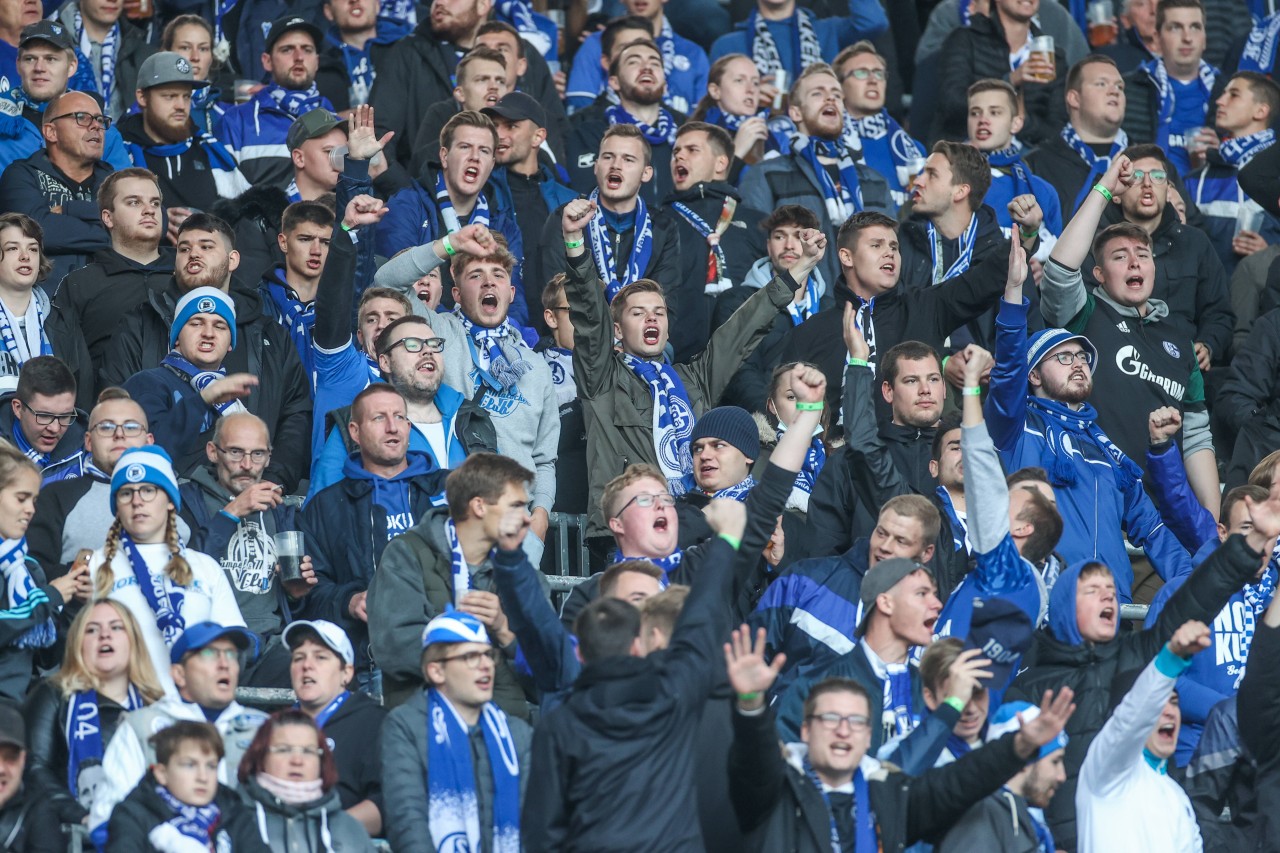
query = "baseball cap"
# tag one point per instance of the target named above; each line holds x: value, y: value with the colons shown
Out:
x: 13, y: 729
x: 311, y: 125
x: 518, y: 106
x: 201, y: 634
x: 168, y: 67
x: 881, y: 578
x: 289, y: 23
x: 51, y: 31
x: 329, y: 634
x: 1003, y: 632
x: 1045, y: 341
x: 454, y: 626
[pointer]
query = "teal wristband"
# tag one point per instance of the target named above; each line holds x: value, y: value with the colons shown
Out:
x: 732, y: 540
x: 346, y: 227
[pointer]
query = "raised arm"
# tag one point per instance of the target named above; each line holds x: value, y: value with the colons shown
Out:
x: 1172, y: 494
x: 1258, y: 703
x: 588, y: 310
x: 336, y: 292
x: 986, y: 494
x: 1006, y: 406
x: 876, y: 477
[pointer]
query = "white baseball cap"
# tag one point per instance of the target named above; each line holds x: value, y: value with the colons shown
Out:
x: 295, y: 633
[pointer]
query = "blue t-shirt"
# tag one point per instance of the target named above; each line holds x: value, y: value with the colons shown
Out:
x: 1189, y: 105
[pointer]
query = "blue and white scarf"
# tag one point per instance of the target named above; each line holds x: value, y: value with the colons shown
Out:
x: 959, y: 526
x: 1257, y: 597
x: 864, y: 823
x: 297, y: 317
x: 110, y: 43
x: 24, y: 596
x: 1260, y: 50
x: 198, y: 823
x: 221, y: 44
x: 1059, y: 420
x: 737, y: 492
x: 807, y: 307
x: 227, y: 180
x: 165, y: 603
x: 1239, y: 150
x: 729, y: 121
x: 452, y: 224
x: 664, y: 133
x: 806, y: 48
x: 452, y: 807
x: 460, y: 571
x: 721, y: 281
x: 34, y: 341
x: 843, y: 201
x: 672, y: 419
x: 519, y: 14
x: 42, y: 460
x: 961, y: 263
x: 814, y: 458
x: 898, y: 700
x: 667, y: 564
x: 501, y: 373
x: 332, y: 708
x: 1010, y: 159
x: 1159, y: 75
x: 84, y: 730
x: 896, y: 154
x: 207, y: 108
x: 296, y: 102
x: 602, y: 248
x: 1043, y: 833
x: 1097, y: 165
x: 199, y: 380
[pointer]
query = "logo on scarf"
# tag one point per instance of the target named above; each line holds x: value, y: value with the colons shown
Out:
x: 206, y: 305
x: 682, y: 424
x: 135, y: 472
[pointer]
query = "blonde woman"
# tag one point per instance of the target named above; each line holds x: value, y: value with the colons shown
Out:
x: 145, y: 566
x: 71, y: 716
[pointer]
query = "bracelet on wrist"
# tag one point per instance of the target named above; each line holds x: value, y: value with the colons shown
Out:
x: 810, y: 407
x: 346, y: 227
x: 1028, y: 235
x: 733, y: 541
x: 448, y: 246
x: 971, y: 392
x: 574, y: 244
x: 858, y: 362
x: 954, y: 702
x: 1106, y: 193
x: 748, y: 697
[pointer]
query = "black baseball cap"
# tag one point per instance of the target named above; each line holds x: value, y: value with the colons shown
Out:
x: 13, y: 728
x: 51, y: 31
x: 518, y: 106
x: 289, y: 23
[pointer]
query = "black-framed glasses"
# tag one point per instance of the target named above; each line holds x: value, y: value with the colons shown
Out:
x: 1157, y: 176
x: 86, y: 120
x: 107, y: 429
x: 1066, y: 359
x: 831, y: 721
x: 417, y: 345
x: 646, y: 501
x: 864, y: 73
x: 289, y: 749
x: 146, y: 491
x: 472, y: 659
x: 65, y: 419
x: 237, y: 454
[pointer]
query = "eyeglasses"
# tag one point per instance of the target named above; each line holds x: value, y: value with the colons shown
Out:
x: 86, y: 119
x: 210, y: 654
x: 146, y: 491
x: 864, y: 73
x: 831, y: 721
x: 46, y: 418
x: 106, y: 429
x: 289, y: 749
x: 1066, y: 359
x: 472, y: 659
x: 415, y: 345
x: 1157, y: 176
x: 560, y: 308
x: 237, y: 454
x: 646, y: 501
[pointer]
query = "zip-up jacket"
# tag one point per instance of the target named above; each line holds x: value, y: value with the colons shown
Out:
x: 1223, y: 775
x: 255, y: 134
x: 197, y: 177
x: 315, y: 827
x: 20, y: 136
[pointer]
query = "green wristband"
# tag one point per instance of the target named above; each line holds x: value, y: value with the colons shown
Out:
x: 448, y: 247
x: 1027, y: 235
x: 1106, y: 193
x: 574, y: 244
x: 810, y: 407
x: 748, y: 697
x: 971, y: 392
x: 346, y: 227
x: 954, y: 702
x: 858, y: 362
x: 732, y: 540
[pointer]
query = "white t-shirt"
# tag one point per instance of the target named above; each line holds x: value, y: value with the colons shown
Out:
x: 434, y: 434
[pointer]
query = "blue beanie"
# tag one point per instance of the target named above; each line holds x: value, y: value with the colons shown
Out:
x: 149, y: 464
x: 1048, y: 339
x: 203, y: 300
x: 731, y: 424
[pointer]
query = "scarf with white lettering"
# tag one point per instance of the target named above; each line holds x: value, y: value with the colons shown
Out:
x: 561, y: 363
x: 84, y: 730
x: 896, y: 154
x: 1260, y: 50
x: 961, y: 263
x: 899, y: 716
x: 24, y: 596
x: 843, y: 201
x: 1097, y: 165
x: 602, y: 248
x: 199, y: 380
x: 163, y: 598
x: 1239, y: 150
x: 663, y: 133
x: 1159, y: 75
x: 452, y: 806
x: 479, y: 213
x: 814, y: 459
x: 32, y: 341
x: 295, y: 102
x: 672, y: 419
x: 806, y: 48
x: 717, y: 279
x: 110, y: 44
x: 1055, y: 455
x: 489, y: 356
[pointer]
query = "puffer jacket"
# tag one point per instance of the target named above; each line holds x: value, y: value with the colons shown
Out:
x: 320, y: 826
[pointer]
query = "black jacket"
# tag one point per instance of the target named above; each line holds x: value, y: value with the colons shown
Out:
x: 900, y: 314
x: 1128, y: 51
x: 426, y: 142
x: 1089, y: 668
x: 980, y: 51
x: 1256, y: 707
x: 1141, y: 108
x: 743, y: 244
x: 143, y: 810
x: 586, y: 129
x: 355, y: 730
x: 782, y: 809
x: 34, y: 186
x: 255, y: 215
x: 99, y: 295
x: 1054, y: 161
x: 30, y: 823
x: 608, y: 764
x: 418, y: 71
x: 1248, y: 403
x: 1223, y: 775
x: 263, y: 348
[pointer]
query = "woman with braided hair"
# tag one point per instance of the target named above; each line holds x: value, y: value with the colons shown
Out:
x: 145, y: 566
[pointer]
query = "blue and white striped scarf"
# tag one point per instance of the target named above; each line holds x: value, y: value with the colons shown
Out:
x: 164, y: 602
x: 199, y: 380
x: 864, y: 823
x: 452, y: 224
x: 807, y: 307
x: 1239, y: 150
x: 806, y: 48
x: 1260, y: 50
x: 663, y: 133
x: 961, y: 263
x: 1097, y: 165
x: 814, y: 460
x: 106, y: 82
x: 1159, y: 75
x: 672, y: 419
x: 460, y: 571
x: 24, y: 596
x: 297, y: 317
x: 452, y: 806
x: 602, y: 248
x: 34, y: 341
x: 489, y: 357
x: 197, y: 823
x: 843, y: 201
x: 667, y: 563
x: 227, y: 180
